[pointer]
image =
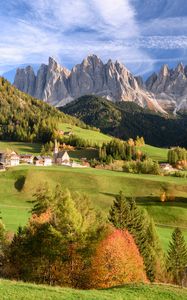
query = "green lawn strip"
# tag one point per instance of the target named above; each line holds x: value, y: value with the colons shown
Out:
x: 21, y: 147
x: 159, y: 154
x: 86, y: 134
x: 12, y: 290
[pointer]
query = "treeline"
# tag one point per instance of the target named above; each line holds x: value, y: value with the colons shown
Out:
x: 134, y: 160
x: 119, y: 150
x: 177, y: 156
x: 23, y: 118
x: 147, y: 166
x: 66, y: 242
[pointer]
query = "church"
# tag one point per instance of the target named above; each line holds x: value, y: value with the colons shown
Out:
x: 60, y: 157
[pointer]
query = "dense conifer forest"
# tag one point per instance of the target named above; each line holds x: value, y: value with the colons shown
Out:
x: 127, y: 119
x: 24, y: 118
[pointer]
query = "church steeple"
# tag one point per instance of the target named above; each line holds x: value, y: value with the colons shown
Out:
x: 56, y: 147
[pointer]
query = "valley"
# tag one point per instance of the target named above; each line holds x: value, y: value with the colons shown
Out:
x: 18, y: 184
x: 93, y: 150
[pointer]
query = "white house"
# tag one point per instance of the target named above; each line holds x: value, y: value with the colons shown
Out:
x: 42, y: 161
x: 38, y: 161
x: 12, y: 159
x: 47, y: 161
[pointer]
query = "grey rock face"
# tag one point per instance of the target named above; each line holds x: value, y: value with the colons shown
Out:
x: 25, y: 80
x: 57, y: 85
x: 170, y: 87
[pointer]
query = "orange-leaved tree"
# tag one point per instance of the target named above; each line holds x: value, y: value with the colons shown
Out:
x: 116, y: 261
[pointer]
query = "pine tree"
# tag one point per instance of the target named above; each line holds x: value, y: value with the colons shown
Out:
x: 2, y: 235
x: 125, y: 214
x: 43, y: 201
x: 177, y: 256
x: 119, y: 214
x: 68, y: 218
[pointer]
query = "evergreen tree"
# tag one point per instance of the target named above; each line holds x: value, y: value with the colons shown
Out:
x: 125, y: 214
x: 119, y: 214
x: 69, y: 219
x: 43, y: 201
x: 177, y: 256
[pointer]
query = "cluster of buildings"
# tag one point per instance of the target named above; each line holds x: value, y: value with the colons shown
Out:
x: 12, y: 158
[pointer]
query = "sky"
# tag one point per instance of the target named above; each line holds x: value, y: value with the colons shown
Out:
x: 142, y: 34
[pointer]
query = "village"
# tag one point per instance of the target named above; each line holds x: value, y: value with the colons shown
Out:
x: 11, y: 158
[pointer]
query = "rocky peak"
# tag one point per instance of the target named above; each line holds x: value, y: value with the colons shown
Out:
x: 121, y: 68
x: 52, y: 63
x: 170, y: 87
x: 25, y: 80
x: 164, y: 72
x: 53, y: 66
x: 179, y: 68
x: 29, y: 70
x: 94, y: 60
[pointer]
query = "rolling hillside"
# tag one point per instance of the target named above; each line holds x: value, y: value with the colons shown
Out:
x: 24, y: 118
x: 127, y: 119
x: 17, y: 186
x: 12, y: 290
x: 93, y: 136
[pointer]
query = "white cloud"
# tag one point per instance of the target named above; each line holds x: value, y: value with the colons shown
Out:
x: 69, y: 30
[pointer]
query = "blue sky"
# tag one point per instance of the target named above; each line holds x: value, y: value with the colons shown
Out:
x: 143, y: 34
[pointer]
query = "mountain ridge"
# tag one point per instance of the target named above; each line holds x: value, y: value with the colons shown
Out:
x: 170, y: 87
x: 57, y: 85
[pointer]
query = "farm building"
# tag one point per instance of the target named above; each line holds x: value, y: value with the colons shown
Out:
x: 42, y: 161
x: 26, y: 158
x: 9, y: 158
x: 47, y: 161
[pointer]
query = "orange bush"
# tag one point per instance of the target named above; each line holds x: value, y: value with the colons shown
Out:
x: 117, y: 261
x: 42, y: 218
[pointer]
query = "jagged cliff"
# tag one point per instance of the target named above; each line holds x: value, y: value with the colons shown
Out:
x: 170, y: 87
x: 58, y: 86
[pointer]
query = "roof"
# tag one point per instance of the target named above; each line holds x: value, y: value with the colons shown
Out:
x: 37, y: 157
x: 26, y: 155
x: 61, y: 154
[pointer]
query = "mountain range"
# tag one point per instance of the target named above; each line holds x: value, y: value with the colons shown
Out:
x: 170, y: 87
x: 163, y: 92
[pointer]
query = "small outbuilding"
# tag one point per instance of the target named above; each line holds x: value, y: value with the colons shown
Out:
x: 26, y: 158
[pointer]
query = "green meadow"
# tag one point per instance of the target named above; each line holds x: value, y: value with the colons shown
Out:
x: 18, y: 184
x: 12, y: 290
x: 159, y: 154
x: 21, y: 147
x: 86, y: 134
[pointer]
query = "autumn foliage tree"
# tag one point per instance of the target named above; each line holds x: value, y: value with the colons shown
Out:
x: 116, y: 261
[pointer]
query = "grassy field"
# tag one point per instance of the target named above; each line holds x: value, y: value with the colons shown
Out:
x: 159, y: 154
x: 89, y: 135
x: 12, y: 290
x: 20, y: 147
x: 17, y: 186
